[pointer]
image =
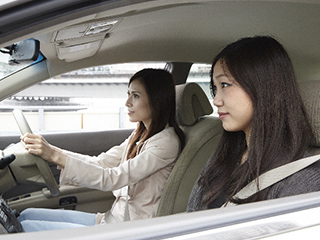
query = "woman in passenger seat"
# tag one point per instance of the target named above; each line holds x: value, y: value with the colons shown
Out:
x: 136, y: 171
x: 265, y: 125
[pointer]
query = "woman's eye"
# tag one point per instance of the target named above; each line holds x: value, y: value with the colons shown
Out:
x: 135, y: 95
x: 224, y: 84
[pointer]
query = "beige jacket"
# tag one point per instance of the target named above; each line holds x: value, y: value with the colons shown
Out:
x: 149, y: 171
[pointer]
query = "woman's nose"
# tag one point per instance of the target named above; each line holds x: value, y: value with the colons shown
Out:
x: 128, y: 102
x: 217, y: 100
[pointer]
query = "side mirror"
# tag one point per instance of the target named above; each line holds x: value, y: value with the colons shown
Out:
x: 24, y: 51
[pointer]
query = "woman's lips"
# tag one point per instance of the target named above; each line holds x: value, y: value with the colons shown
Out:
x: 130, y: 112
x: 222, y: 115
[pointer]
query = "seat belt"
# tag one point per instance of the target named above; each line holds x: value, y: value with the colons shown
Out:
x: 273, y: 176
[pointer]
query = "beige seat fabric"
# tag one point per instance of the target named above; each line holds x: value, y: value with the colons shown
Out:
x: 310, y: 93
x: 202, y: 135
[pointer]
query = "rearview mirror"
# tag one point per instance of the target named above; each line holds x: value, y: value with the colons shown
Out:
x: 24, y: 51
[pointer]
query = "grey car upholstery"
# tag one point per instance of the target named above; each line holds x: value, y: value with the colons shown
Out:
x: 202, y: 135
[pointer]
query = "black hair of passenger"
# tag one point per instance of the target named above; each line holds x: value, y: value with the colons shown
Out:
x: 281, y: 131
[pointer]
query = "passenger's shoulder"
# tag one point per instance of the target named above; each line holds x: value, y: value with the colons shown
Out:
x: 309, y: 176
x: 304, y: 181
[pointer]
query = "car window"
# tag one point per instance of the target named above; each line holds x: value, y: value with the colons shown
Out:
x: 13, y: 60
x: 6, y: 69
x: 86, y: 99
x: 200, y: 74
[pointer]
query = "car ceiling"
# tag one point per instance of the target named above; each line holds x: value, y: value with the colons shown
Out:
x: 163, y: 30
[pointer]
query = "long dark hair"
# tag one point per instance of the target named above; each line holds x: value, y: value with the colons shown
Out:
x: 280, y: 132
x: 160, y: 87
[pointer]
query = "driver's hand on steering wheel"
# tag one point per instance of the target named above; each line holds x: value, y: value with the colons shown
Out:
x: 37, y: 145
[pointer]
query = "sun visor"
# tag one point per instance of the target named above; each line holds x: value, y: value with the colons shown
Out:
x: 76, y: 52
x: 81, y: 41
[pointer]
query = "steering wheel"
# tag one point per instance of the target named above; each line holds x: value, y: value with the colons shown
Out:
x: 42, y: 164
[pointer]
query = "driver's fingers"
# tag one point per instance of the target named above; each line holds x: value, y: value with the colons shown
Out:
x: 38, y: 148
x: 29, y: 140
x: 34, y: 149
x: 26, y: 135
x: 29, y: 137
x: 34, y: 144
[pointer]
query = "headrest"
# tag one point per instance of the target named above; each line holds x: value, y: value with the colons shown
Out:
x: 310, y: 93
x: 192, y: 103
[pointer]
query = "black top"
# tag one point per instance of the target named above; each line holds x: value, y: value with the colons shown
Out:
x: 305, y: 181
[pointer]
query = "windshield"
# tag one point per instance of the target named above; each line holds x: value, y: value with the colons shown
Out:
x: 25, y: 54
x: 6, y: 69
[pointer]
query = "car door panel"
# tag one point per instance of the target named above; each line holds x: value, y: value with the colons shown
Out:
x: 72, y: 198
x: 89, y: 143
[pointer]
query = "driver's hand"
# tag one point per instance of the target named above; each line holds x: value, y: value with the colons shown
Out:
x: 37, y: 145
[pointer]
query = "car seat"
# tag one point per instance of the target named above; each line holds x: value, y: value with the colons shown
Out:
x: 310, y: 93
x: 202, y: 135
